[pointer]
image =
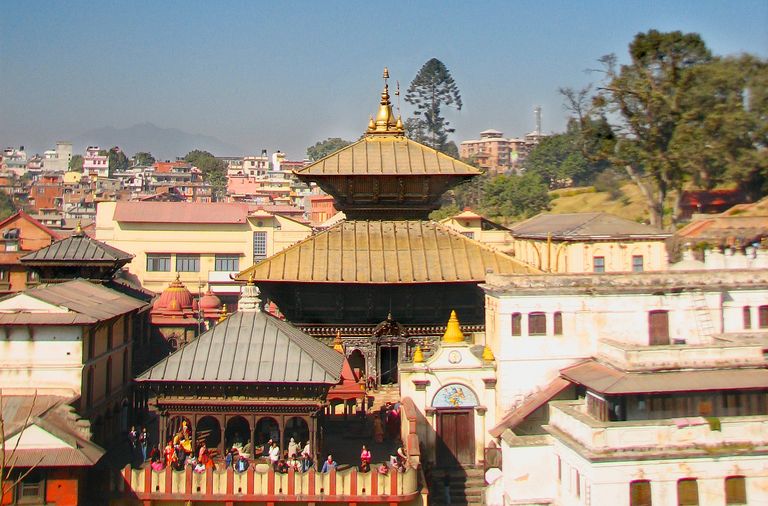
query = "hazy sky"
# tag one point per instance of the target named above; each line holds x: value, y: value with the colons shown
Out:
x: 284, y: 74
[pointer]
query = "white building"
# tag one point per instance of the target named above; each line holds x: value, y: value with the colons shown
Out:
x: 94, y: 164
x: 57, y: 160
x: 662, y: 384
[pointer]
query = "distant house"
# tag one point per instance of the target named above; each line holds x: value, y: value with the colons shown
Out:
x: 477, y: 227
x: 20, y: 235
x: 589, y: 242
x: 709, y: 201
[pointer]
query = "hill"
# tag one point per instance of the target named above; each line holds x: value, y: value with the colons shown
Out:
x: 585, y: 199
x: 163, y: 143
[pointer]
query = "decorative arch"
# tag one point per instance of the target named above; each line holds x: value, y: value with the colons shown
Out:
x: 267, y: 428
x: 296, y: 428
x: 455, y: 395
x: 238, y: 432
x: 356, y: 361
x: 208, y: 430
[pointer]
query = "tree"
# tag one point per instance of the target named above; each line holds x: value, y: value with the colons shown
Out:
x: 512, y: 196
x: 7, y: 206
x: 118, y: 162
x: 76, y: 163
x: 559, y: 161
x: 321, y: 149
x: 143, y: 158
x: 214, y: 171
x: 431, y: 89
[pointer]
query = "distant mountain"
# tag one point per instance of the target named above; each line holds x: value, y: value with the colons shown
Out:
x: 163, y: 143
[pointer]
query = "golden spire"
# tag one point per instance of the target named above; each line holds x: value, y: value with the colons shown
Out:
x: 418, y: 356
x: 79, y: 228
x: 385, y: 122
x: 251, y: 277
x: 224, y: 314
x: 453, y: 333
x: 338, y: 344
x: 488, y: 354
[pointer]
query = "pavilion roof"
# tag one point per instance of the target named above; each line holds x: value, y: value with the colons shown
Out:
x: 383, y: 155
x: 78, y: 248
x: 398, y: 251
x: 250, y: 347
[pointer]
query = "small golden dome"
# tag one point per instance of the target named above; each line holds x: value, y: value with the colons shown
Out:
x: 418, y: 356
x: 385, y: 122
x: 488, y: 354
x: 338, y: 344
x: 453, y: 332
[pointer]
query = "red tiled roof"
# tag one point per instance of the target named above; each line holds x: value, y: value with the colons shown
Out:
x: 180, y: 212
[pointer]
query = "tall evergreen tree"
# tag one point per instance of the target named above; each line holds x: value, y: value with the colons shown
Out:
x: 431, y: 89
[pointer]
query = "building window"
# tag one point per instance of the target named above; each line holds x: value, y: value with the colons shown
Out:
x: 735, y: 490
x: 598, y: 264
x: 33, y: 277
x: 640, y: 493
x: 470, y: 235
x: 658, y: 327
x: 259, y: 246
x: 126, y: 376
x: 226, y: 263
x: 32, y: 488
x: 578, y: 484
x: 158, y: 263
x: 687, y: 492
x: 558, y: 323
x: 637, y: 263
x: 4, y: 275
x: 108, y: 387
x: 762, y: 317
x: 517, y: 318
x: 747, y: 316
x: 537, y: 324
x: 559, y: 469
x: 187, y: 263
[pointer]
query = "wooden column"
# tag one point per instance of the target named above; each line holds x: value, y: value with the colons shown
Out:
x: 253, y: 436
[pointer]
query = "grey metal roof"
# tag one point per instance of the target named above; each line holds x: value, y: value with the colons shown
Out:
x: 575, y: 226
x: 251, y: 347
x: 87, y: 298
x: 78, y: 248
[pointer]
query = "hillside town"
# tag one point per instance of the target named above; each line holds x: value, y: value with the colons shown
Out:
x: 573, y: 318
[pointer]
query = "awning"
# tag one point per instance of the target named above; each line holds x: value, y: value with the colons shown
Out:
x: 529, y: 405
x: 605, y: 379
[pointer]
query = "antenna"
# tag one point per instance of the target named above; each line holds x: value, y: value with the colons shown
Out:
x: 397, y: 94
x: 537, y: 113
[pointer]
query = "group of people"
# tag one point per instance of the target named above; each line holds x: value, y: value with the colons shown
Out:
x: 177, y: 452
x: 139, y: 443
x: 387, y: 423
x: 296, y: 457
x: 398, y: 461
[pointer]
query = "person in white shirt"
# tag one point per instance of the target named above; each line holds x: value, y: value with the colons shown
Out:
x: 274, y: 455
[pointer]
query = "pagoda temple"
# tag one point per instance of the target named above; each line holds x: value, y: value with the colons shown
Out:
x: 387, y: 277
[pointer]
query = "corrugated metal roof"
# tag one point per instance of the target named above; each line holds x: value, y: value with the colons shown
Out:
x: 45, y: 319
x: 385, y: 252
x: 582, y: 226
x: 387, y: 155
x: 78, y: 248
x: 180, y: 212
x: 87, y: 298
x: 251, y: 347
x: 608, y: 380
x: 529, y: 405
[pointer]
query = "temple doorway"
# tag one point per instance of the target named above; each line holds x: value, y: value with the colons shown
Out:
x: 357, y: 363
x: 455, y: 437
x: 388, y: 358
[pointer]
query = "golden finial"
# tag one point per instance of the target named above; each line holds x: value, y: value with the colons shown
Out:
x: 418, y: 356
x: 385, y: 122
x: 453, y: 332
x: 79, y: 228
x: 399, y: 124
x: 338, y: 344
x: 251, y: 277
x: 224, y: 314
x: 488, y: 354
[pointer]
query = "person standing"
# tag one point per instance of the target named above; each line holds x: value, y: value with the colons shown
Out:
x: 144, y: 443
x: 365, y: 460
x: 328, y: 464
x: 274, y: 455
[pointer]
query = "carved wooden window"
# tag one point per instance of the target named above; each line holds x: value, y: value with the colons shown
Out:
x: 598, y: 264
x: 558, y: 323
x: 658, y: 327
x: 762, y: 314
x: 517, y: 319
x: 687, y: 492
x: 640, y: 493
x: 735, y: 490
x: 747, y: 317
x: 537, y: 324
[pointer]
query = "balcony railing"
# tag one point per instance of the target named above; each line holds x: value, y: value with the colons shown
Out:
x: 692, y: 433
x: 259, y: 484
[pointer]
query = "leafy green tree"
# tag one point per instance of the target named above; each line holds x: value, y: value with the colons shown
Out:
x: 431, y: 89
x: 118, y: 162
x: 512, y: 196
x: 214, y: 171
x: 559, y: 161
x: 7, y: 206
x: 76, y: 163
x: 321, y: 149
x: 143, y: 158
x: 444, y: 212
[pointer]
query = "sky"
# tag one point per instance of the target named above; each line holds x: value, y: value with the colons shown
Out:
x: 286, y: 74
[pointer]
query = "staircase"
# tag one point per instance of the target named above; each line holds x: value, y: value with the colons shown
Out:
x: 706, y: 326
x: 384, y: 394
x: 460, y: 486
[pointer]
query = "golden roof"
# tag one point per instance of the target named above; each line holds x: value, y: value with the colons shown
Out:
x: 453, y: 333
x: 398, y: 251
x: 393, y: 155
